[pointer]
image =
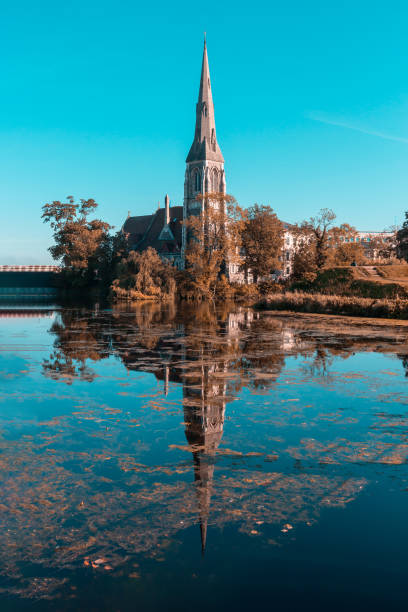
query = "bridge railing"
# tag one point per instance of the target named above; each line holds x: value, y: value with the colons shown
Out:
x: 4, y: 268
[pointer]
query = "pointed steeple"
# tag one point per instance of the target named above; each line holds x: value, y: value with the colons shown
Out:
x: 205, y: 146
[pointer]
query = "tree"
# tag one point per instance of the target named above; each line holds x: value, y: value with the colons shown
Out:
x: 214, y: 242
x: 385, y: 247
x: 111, y: 251
x: 78, y: 242
x: 344, y: 247
x: 144, y: 274
x: 318, y: 230
x: 304, y: 260
x: 262, y: 241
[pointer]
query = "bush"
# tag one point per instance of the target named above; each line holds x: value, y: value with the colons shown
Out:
x: 143, y: 276
x: 245, y: 293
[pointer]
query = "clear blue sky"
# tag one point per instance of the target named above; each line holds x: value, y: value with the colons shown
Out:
x: 98, y: 100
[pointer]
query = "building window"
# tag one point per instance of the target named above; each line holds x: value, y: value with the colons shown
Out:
x: 197, y: 186
x: 287, y: 270
x: 215, y: 181
x: 287, y: 255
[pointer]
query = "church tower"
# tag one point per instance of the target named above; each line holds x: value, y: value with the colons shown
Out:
x: 204, y: 163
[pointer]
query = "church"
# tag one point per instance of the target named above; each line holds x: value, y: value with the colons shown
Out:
x: 163, y: 230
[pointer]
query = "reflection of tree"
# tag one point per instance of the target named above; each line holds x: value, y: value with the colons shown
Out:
x: 319, y: 366
x: 79, y: 338
x: 404, y: 359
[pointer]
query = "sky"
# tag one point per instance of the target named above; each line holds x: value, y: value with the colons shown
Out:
x: 97, y: 100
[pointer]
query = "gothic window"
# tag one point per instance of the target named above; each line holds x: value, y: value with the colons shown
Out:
x: 197, y: 181
x: 215, y: 182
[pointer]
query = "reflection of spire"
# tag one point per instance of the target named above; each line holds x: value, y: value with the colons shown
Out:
x: 166, y: 379
x: 203, y: 476
x: 204, y: 408
x: 203, y: 529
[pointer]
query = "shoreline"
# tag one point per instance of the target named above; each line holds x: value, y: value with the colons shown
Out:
x: 356, y: 321
x: 336, y: 305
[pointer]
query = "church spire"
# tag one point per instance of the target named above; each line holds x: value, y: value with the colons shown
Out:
x: 205, y: 146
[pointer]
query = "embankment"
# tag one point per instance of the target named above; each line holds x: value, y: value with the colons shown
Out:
x: 336, y: 304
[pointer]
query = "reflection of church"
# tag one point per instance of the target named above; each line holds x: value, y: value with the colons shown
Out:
x: 202, y: 374
x: 163, y: 230
x: 212, y: 355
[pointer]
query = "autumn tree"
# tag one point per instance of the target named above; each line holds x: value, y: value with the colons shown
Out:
x: 345, y: 249
x: 214, y: 242
x: 262, y: 241
x: 304, y: 267
x: 144, y: 274
x: 318, y: 228
x: 387, y: 247
x: 79, y: 243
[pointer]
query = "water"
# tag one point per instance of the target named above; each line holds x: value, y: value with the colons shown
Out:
x: 193, y: 459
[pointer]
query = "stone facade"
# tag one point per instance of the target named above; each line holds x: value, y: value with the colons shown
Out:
x: 367, y: 239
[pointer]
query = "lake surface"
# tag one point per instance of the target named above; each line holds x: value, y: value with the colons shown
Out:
x: 195, y: 459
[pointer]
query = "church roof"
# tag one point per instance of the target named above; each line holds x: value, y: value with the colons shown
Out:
x: 205, y: 146
x: 151, y: 231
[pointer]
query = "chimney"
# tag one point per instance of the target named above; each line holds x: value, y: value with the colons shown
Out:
x: 167, y: 207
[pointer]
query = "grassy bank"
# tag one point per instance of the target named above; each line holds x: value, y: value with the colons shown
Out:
x: 336, y: 304
x: 355, y: 282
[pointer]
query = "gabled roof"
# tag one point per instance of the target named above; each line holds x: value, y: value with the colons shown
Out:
x: 151, y: 231
x: 137, y: 226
